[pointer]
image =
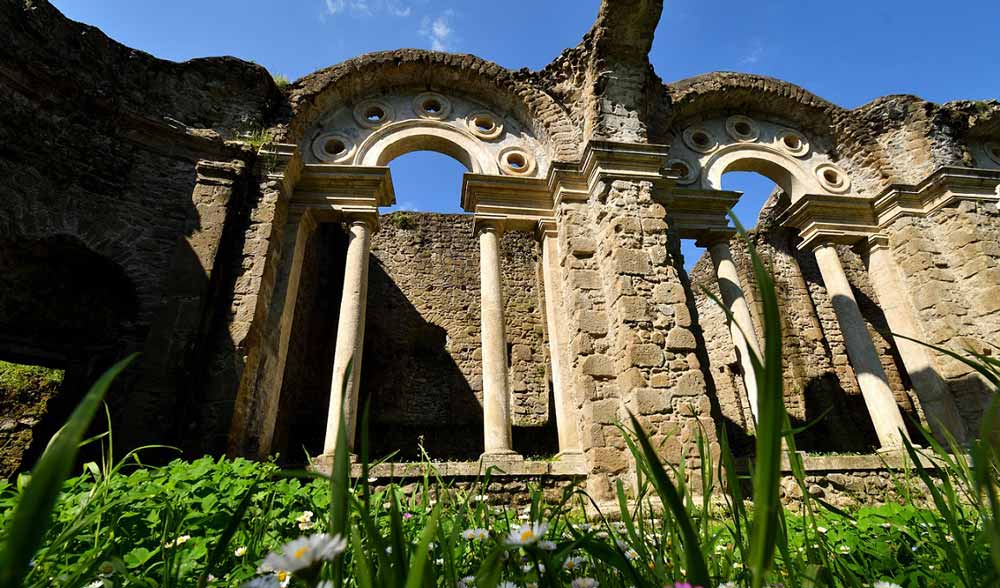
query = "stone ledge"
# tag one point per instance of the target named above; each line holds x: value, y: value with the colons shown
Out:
x: 816, y: 464
x: 567, y: 466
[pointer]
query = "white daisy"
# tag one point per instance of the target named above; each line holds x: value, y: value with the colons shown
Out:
x: 527, y: 533
x: 584, y: 583
x: 885, y: 585
x: 476, y: 534
x: 467, y: 582
x: 240, y: 551
x: 574, y: 562
x: 304, y: 552
x: 305, y: 520
x: 547, y: 545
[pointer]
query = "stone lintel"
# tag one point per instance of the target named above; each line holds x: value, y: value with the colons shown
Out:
x: 945, y: 186
x: 827, y: 218
x: 520, y: 202
x: 613, y: 160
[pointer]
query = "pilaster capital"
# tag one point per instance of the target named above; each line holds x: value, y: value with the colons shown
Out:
x: 878, y: 242
x: 546, y: 229
x: 300, y: 215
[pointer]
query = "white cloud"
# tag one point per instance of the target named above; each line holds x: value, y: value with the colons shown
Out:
x: 437, y: 30
x: 359, y: 8
x: 755, y: 53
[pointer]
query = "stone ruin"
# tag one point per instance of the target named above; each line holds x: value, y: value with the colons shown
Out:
x: 137, y: 215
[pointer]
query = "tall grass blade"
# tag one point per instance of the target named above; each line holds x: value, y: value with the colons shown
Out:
x: 31, y: 516
x: 340, y: 481
x: 770, y: 422
x: 697, y: 571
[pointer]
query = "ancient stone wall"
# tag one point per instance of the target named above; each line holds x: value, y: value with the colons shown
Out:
x: 950, y: 262
x: 422, y: 368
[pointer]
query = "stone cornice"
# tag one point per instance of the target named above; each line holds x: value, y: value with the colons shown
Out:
x: 611, y: 160
x: 848, y: 219
x: 521, y: 202
x: 336, y: 192
x: 938, y: 190
x: 698, y: 214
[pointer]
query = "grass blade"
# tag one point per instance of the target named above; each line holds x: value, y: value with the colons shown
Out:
x: 697, y: 571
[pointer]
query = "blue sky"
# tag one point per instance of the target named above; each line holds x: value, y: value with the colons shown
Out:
x: 849, y: 51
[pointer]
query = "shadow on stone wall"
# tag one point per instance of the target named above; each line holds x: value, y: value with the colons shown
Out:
x: 418, y: 394
x: 61, y: 306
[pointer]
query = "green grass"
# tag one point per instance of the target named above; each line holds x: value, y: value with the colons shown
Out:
x: 15, y: 377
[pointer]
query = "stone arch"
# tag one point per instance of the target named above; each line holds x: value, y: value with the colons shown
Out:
x: 513, y: 93
x: 403, y: 137
x: 780, y: 169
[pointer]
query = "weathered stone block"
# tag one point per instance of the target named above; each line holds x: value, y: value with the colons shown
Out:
x: 644, y: 355
x: 599, y: 365
x: 592, y: 321
x: 630, y: 261
x: 681, y: 339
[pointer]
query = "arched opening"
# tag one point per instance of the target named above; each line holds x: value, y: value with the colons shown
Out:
x: 63, y: 308
x: 421, y: 369
x: 820, y: 389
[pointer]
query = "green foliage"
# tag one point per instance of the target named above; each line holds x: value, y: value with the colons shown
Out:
x: 401, y: 220
x: 16, y: 378
x: 280, y: 81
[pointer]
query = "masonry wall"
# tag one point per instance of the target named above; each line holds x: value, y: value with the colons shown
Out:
x: 950, y: 262
x: 422, y: 367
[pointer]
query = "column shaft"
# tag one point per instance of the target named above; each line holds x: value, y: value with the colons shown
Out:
x: 861, y: 351
x: 935, y: 398
x: 741, y: 327
x: 566, y: 421
x: 496, y: 392
x: 350, y: 337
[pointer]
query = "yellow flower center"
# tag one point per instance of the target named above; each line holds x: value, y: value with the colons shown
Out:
x: 527, y: 535
x: 282, y: 575
x: 300, y: 552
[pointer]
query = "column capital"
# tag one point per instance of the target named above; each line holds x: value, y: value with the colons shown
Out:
x: 710, y: 238
x: 367, y: 219
x: 483, y: 224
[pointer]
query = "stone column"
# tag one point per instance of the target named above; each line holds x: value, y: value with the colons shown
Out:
x: 935, y: 398
x: 350, y: 336
x: 861, y: 351
x: 496, y: 392
x: 741, y: 327
x: 566, y: 413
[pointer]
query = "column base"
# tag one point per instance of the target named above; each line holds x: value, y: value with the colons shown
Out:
x: 500, y: 457
x: 325, y: 460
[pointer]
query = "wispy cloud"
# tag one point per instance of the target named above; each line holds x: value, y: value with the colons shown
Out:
x: 754, y: 54
x: 367, y: 7
x: 438, y: 30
